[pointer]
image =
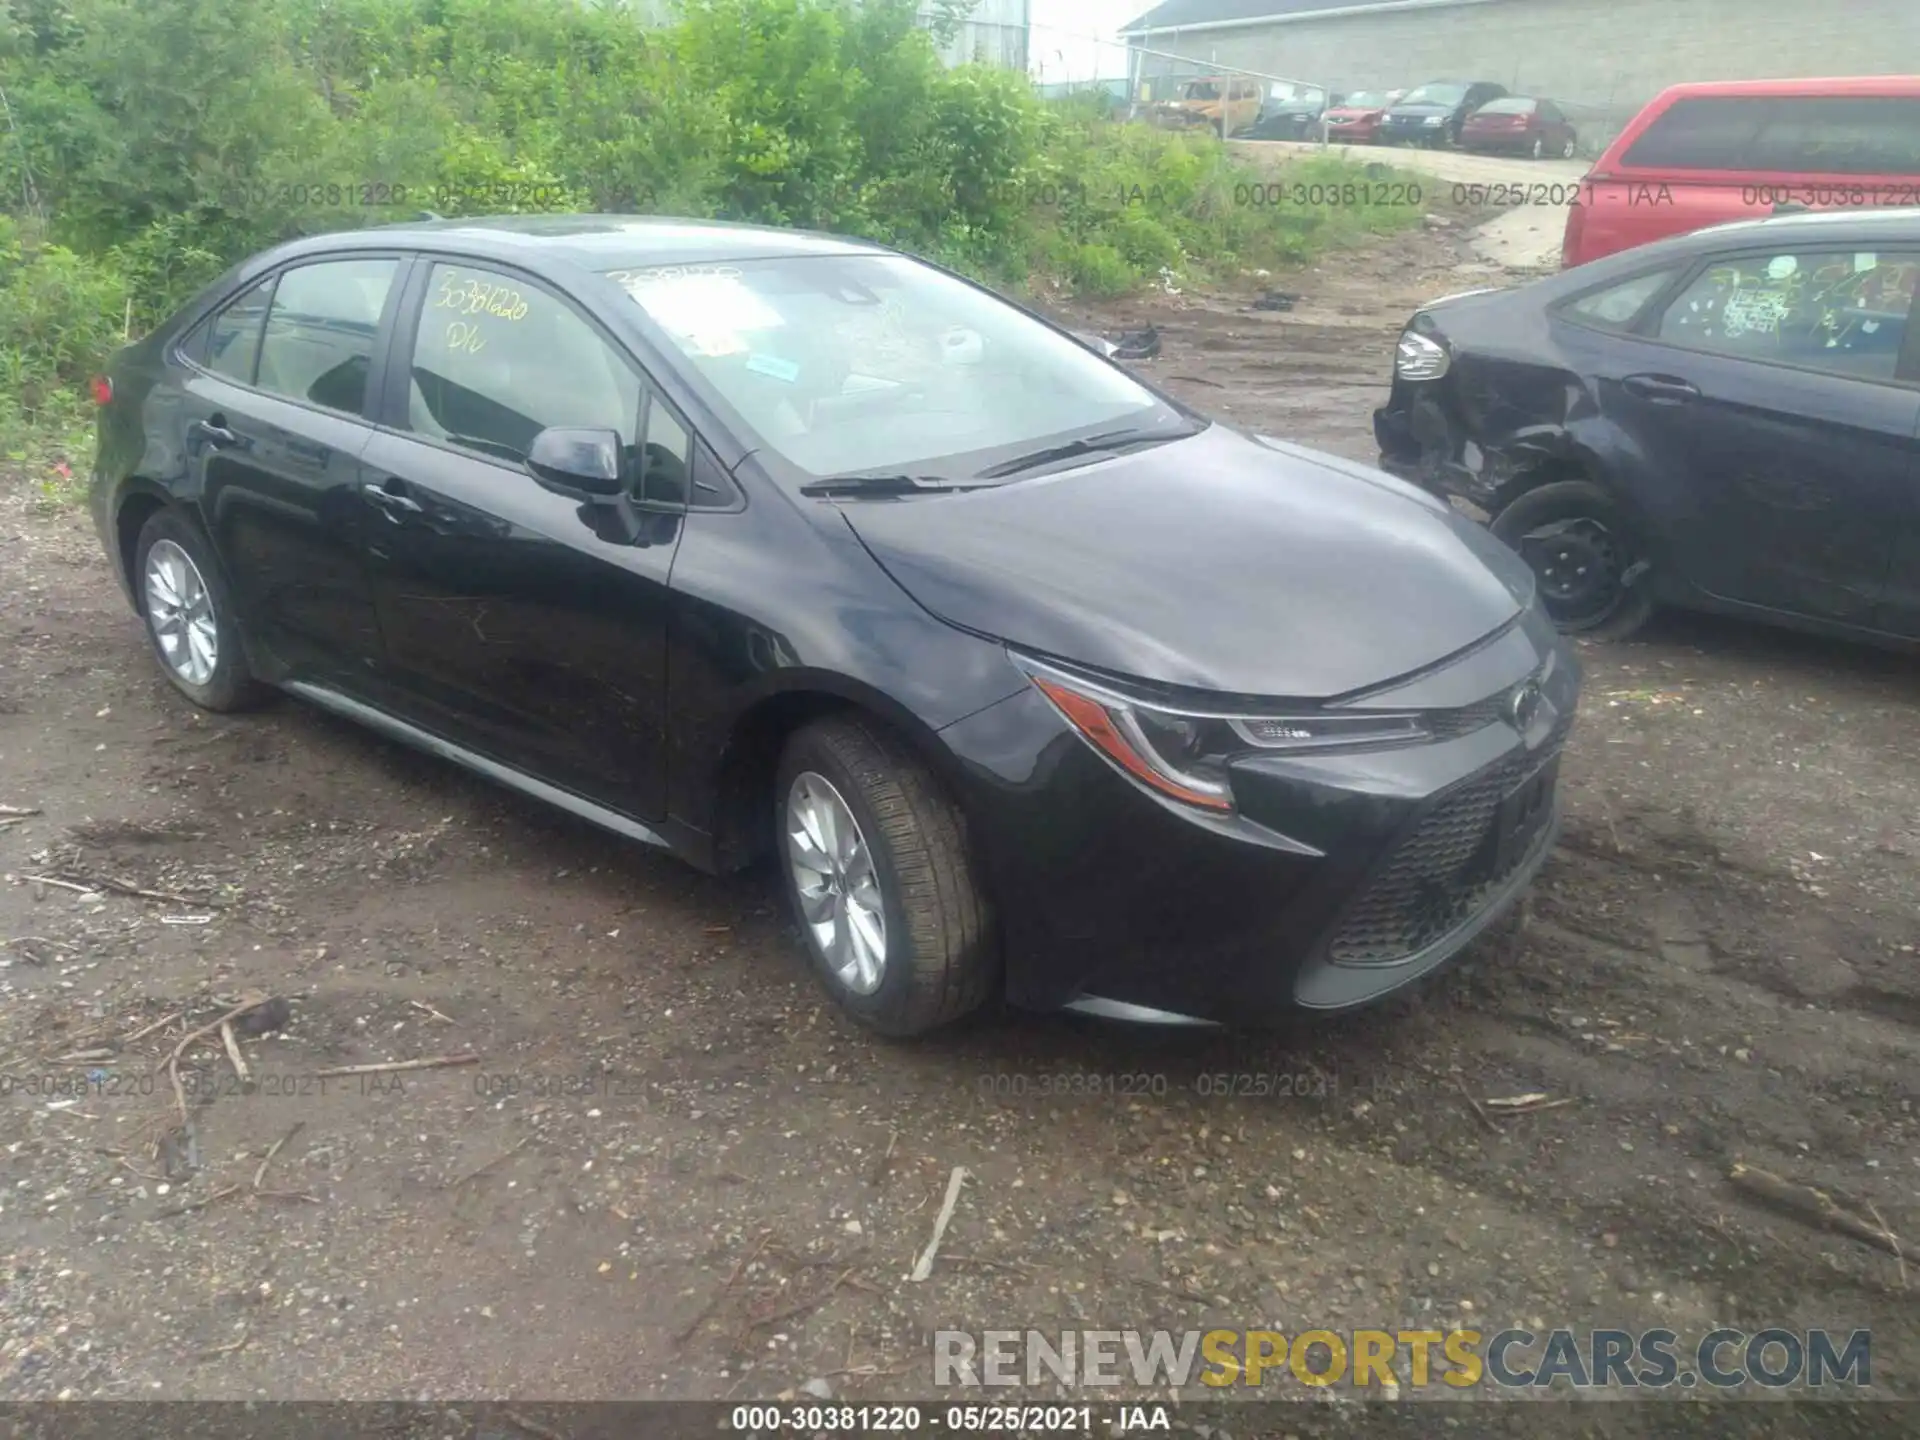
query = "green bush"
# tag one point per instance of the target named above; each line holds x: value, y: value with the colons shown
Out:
x: 154, y: 142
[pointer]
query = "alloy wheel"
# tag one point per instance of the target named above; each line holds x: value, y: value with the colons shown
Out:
x: 836, y: 883
x: 1539, y: 148
x: 1566, y: 150
x: 180, y: 613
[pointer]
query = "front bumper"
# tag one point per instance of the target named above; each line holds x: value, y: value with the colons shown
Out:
x: 1419, y: 441
x: 1405, y: 133
x: 1340, y: 879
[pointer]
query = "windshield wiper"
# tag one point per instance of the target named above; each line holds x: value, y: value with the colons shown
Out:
x: 883, y: 485
x: 1085, y: 445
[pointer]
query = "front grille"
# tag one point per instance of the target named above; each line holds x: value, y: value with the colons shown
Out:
x: 1452, y: 724
x: 1438, y: 879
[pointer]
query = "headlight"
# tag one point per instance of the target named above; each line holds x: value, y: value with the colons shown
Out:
x: 1182, y: 754
x: 1418, y: 358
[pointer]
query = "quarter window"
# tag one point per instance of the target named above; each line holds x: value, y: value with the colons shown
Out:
x: 665, y: 455
x: 233, y: 336
x: 497, y: 360
x: 318, y: 345
x: 1839, y: 311
x: 1616, y: 307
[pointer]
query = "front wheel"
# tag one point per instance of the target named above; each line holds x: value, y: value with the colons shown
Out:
x: 878, y: 872
x: 190, y: 615
x: 1566, y: 150
x: 1583, y: 554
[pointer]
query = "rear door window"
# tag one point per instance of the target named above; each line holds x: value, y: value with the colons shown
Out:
x: 318, y: 346
x: 1789, y: 134
x: 1844, y: 311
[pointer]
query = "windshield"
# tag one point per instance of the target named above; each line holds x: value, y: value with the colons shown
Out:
x: 866, y: 363
x: 1201, y: 90
x: 1366, y: 100
x: 1513, y: 105
x: 1435, y: 95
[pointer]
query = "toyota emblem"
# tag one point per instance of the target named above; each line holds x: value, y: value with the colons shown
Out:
x: 1524, y: 707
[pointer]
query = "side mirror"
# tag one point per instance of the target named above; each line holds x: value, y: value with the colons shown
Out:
x: 587, y: 465
x: 1099, y: 344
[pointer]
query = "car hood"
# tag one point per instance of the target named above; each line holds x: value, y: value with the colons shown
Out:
x: 1224, y: 562
x: 1344, y: 112
x: 1417, y: 112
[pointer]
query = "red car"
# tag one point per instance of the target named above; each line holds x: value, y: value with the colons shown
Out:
x: 1520, y: 124
x: 1704, y: 154
x: 1356, y: 120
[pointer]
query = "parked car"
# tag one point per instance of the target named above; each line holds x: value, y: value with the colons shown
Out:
x: 746, y: 542
x: 1704, y: 154
x: 1433, y: 114
x: 1520, y: 124
x: 1720, y: 421
x: 1295, y: 115
x: 1356, y: 120
x: 1224, y: 104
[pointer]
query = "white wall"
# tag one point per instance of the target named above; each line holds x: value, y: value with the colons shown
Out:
x: 1604, y: 59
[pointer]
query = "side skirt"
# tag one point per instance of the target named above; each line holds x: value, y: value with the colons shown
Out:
x: 413, y: 735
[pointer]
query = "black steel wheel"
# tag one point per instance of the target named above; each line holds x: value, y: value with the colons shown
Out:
x: 1582, y: 550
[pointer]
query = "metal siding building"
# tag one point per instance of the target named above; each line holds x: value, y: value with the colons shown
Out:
x: 1601, y: 59
x: 995, y: 32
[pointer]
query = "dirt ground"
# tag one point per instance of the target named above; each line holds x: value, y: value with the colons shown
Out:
x: 674, y: 1171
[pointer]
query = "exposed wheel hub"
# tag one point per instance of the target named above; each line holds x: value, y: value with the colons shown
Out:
x: 1579, y: 566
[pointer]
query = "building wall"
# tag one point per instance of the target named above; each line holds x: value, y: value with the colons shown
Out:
x: 1602, y: 59
x: 994, y: 31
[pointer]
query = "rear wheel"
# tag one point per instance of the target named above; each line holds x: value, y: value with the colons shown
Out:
x: 1539, y: 147
x: 1582, y: 550
x: 190, y: 615
x: 876, y: 866
x: 1566, y: 150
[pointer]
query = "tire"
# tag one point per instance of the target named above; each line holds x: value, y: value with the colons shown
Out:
x: 172, y: 556
x: 1592, y: 609
x: 937, y: 960
x: 1567, y: 150
x: 1539, y: 147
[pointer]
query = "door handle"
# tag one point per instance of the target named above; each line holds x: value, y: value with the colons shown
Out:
x: 397, y: 504
x: 1660, y: 389
x: 217, y: 436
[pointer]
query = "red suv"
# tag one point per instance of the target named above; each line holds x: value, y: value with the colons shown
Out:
x: 1708, y: 153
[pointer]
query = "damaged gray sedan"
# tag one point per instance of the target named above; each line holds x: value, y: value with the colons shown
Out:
x: 1727, y: 420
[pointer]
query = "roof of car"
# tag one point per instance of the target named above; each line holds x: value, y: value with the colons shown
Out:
x: 595, y: 241
x: 1870, y: 227
x: 1892, y: 224
x: 1833, y: 85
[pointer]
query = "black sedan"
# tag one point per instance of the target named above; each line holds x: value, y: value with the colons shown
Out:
x: 744, y: 542
x: 1432, y: 115
x: 1727, y: 420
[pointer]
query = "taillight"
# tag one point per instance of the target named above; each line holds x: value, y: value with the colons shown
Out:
x: 1576, y: 227
x: 102, y: 390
